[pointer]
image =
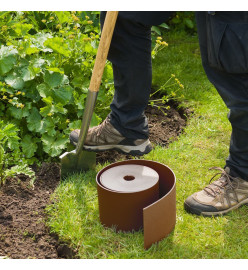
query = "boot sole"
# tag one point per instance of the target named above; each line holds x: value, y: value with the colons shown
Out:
x: 195, y: 211
x: 139, y: 150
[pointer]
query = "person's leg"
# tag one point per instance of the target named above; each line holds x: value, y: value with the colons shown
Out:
x: 231, y: 189
x: 130, y: 55
x: 126, y: 127
x: 233, y: 88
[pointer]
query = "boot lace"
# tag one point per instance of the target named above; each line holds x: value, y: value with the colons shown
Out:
x: 101, y: 127
x: 225, y: 180
x: 99, y: 130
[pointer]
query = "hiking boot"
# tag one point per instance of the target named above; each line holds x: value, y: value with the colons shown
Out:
x: 219, y: 197
x: 106, y: 137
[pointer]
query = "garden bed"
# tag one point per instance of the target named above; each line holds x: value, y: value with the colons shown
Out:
x: 23, y: 233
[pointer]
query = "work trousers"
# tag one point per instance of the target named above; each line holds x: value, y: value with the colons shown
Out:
x: 130, y: 55
x: 223, y: 39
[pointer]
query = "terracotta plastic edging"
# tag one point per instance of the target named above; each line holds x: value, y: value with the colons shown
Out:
x: 153, y: 209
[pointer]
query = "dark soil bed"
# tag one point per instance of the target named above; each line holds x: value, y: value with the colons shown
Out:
x: 23, y: 233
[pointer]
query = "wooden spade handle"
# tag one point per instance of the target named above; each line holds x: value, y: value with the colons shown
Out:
x: 102, y: 53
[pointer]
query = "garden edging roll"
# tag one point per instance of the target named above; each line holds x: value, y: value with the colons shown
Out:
x: 152, y: 208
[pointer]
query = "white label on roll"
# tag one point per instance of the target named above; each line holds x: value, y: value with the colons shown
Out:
x: 129, y: 178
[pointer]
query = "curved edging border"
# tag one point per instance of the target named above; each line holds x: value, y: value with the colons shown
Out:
x: 159, y: 217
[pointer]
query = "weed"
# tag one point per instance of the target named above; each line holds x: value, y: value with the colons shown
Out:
x: 172, y: 88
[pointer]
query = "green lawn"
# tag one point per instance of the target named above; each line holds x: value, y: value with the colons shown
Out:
x: 204, y: 143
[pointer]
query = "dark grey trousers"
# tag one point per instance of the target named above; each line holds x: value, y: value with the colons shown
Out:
x: 223, y: 39
x: 130, y: 55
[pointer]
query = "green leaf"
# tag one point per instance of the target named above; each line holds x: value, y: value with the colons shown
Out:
x: 189, y: 23
x: 63, y: 94
x: 6, y: 64
x: 81, y: 81
x: 58, y: 45
x: 18, y: 113
x: 44, y: 111
x: 51, y: 108
x: 156, y: 29
x: 63, y: 16
x: 164, y: 25
x: 31, y: 93
x: 29, y: 146
x: 29, y: 73
x: 15, y: 81
x: 22, y: 29
x: 8, y: 135
x: 95, y: 121
x: 176, y: 20
x: 34, y: 121
x: 50, y: 125
x: 88, y: 48
x: 54, y: 145
x: 7, y: 59
x: 53, y: 79
x: 77, y: 81
x: 79, y: 99
x: 44, y: 90
x: 31, y: 50
x: 48, y: 100
x: 38, y: 63
x: 102, y: 97
x: 20, y: 169
x: 75, y: 124
x: 8, y: 131
x: 54, y: 69
x: 39, y: 40
x: 6, y: 51
x: 3, y: 13
x: 108, y: 72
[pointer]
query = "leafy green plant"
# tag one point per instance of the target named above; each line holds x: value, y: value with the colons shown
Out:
x: 46, y: 60
x: 166, y: 92
x: 184, y: 20
x: 9, y: 141
x: 11, y: 162
x: 159, y: 28
x: 15, y: 170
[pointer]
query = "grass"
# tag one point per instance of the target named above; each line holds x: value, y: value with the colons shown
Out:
x: 204, y: 143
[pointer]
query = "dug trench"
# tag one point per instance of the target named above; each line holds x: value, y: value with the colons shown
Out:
x: 23, y: 230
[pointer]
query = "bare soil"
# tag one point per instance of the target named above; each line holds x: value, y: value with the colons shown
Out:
x: 23, y: 232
